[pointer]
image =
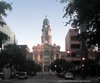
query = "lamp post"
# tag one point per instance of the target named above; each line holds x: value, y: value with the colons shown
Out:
x: 84, y: 52
x: 83, y: 68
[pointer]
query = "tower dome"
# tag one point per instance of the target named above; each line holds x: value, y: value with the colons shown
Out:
x: 46, y: 32
x: 46, y: 21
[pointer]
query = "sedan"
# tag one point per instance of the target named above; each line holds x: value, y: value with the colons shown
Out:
x: 69, y: 75
x: 22, y: 75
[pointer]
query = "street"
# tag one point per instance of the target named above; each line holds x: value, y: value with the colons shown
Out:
x: 47, y: 78
x: 35, y: 79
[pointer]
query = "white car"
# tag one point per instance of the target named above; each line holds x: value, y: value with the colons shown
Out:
x: 69, y: 75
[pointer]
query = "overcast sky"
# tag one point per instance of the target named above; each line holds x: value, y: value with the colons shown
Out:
x: 26, y: 20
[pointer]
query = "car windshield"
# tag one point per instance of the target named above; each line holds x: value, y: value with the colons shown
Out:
x: 22, y: 73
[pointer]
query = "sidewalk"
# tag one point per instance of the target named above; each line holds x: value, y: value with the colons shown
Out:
x: 92, y: 78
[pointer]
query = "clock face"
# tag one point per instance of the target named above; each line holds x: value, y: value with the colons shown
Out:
x: 46, y: 26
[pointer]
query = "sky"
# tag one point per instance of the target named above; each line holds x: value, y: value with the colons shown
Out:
x: 26, y: 20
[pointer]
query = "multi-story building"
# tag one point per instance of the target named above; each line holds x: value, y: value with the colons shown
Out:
x: 45, y: 53
x: 72, y: 45
x: 26, y: 52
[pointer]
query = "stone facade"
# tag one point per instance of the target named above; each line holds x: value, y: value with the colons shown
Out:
x: 45, y: 53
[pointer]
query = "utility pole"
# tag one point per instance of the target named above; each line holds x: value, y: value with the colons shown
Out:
x: 84, y: 54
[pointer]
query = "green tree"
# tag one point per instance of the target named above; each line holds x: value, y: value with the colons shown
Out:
x: 4, y: 6
x: 84, y: 15
x: 28, y: 66
x: 38, y: 67
x: 13, y: 56
x: 58, y: 65
x: 3, y: 38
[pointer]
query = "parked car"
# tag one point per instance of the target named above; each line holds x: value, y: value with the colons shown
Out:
x: 1, y: 75
x: 62, y: 74
x: 22, y: 75
x: 69, y: 75
x: 32, y: 73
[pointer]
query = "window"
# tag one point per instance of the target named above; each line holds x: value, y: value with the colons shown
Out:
x: 75, y: 46
x: 73, y: 54
x: 74, y: 38
x: 57, y: 56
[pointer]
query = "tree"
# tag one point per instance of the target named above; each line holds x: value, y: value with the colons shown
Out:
x: 3, y: 37
x: 13, y: 56
x: 84, y: 15
x: 4, y: 6
x: 38, y: 67
x: 58, y: 65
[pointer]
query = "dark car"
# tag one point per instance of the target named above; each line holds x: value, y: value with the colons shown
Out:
x: 22, y: 75
x: 69, y: 75
x: 62, y: 74
x: 1, y: 75
x: 32, y: 73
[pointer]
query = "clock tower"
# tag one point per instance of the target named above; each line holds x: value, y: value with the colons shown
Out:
x: 46, y: 32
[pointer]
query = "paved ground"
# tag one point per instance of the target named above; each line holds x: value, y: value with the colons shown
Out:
x: 50, y: 77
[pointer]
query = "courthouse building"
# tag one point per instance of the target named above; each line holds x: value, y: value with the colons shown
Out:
x: 45, y: 53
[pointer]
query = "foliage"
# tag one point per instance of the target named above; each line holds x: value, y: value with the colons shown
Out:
x: 3, y: 38
x: 12, y: 55
x: 15, y: 57
x: 84, y: 15
x: 60, y: 65
x: 38, y: 67
x: 28, y: 66
x: 4, y: 6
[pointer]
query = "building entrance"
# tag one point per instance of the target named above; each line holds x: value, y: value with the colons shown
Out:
x: 46, y: 67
